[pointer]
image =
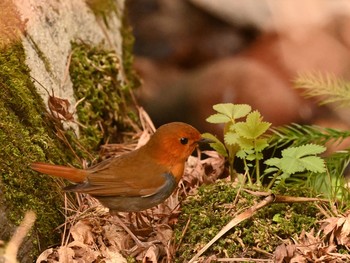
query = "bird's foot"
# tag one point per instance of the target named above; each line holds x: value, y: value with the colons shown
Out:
x: 141, y: 246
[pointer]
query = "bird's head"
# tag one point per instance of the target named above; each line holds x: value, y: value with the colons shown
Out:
x: 174, y: 142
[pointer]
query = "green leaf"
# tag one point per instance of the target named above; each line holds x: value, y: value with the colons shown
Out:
x: 254, y: 156
x: 245, y: 143
x: 224, y: 108
x: 274, y: 162
x: 231, y: 138
x: 233, y: 111
x: 217, y: 145
x: 253, y: 127
x: 291, y: 165
x: 260, y: 144
x: 303, y: 150
x: 277, y: 218
x: 241, y: 154
x: 218, y: 118
x: 299, y: 159
x: 314, y: 164
x: 241, y: 110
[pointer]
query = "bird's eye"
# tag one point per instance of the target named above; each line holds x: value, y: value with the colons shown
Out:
x: 184, y: 140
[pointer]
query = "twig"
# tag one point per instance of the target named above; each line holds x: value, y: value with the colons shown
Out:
x: 183, y: 233
x: 22, y: 230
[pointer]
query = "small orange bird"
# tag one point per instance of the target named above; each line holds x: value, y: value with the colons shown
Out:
x: 137, y: 180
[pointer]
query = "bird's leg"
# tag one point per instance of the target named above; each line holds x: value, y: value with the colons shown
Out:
x: 138, y: 242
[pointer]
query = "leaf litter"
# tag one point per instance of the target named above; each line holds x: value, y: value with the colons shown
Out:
x: 95, y: 236
x: 322, y: 246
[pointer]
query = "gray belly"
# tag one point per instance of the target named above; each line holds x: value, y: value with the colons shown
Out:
x: 139, y: 203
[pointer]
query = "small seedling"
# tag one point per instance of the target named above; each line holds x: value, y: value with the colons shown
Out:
x: 296, y: 160
x: 244, y: 139
x: 248, y: 138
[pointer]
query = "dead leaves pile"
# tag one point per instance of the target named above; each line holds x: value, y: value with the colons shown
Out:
x: 92, y: 240
x: 320, y: 247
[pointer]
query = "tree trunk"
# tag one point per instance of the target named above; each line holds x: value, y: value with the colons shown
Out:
x: 58, y: 51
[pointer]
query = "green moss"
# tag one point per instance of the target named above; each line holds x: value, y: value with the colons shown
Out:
x: 103, y: 8
x: 26, y: 135
x: 211, y: 209
x: 94, y: 73
x: 40, y: 54
x: 133, y: 80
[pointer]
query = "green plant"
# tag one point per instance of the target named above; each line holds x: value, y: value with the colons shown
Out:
x: 296, y: 160
x: 247, y: 139
x: 330, y: 183
x: 244, y: 139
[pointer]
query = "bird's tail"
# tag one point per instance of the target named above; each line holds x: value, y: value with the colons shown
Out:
x: 72, y: 174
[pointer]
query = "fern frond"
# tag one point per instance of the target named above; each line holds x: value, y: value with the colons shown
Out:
x: 327, y: 87
x: 296, y: 134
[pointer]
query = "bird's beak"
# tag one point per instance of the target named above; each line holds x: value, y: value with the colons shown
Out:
x: 205, y: 141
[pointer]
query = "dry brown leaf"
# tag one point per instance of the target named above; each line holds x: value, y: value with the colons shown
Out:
x: 214, y: 165
x: 343, y: 238
x: 337, y: 229
x: 144, y: 138
x: 194, y: 173
x: 114, y: 235
x: 311, y: 247
x: 298, y: 259
x: 340, y: 221
x: 112, y: 255
x: 284, y: 252
x: 82, y: 232
x: 44, y: 256
x: 65, y: 254
x: 329, y: 225
x: 164, y: 233
x: 152, y: 254
x: 83, y: 252
x: 59, y: 108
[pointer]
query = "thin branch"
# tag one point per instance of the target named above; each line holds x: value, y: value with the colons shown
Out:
x: 21, y: 232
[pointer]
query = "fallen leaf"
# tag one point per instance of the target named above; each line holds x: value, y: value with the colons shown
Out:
x: 44, y: 256
x: 82, y: 232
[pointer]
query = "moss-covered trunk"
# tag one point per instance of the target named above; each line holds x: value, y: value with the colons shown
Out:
x: 28, y: 132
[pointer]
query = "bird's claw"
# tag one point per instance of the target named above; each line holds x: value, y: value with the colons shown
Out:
x: 141, y: 246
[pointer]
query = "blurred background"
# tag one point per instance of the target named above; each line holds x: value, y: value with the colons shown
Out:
x: 192, y: 54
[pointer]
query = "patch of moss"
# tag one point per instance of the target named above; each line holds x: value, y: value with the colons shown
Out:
x: 26, y: 135
x: 133, y: 80
x: 94, y: 73
x: 210, y: 210
x: 103, y: 8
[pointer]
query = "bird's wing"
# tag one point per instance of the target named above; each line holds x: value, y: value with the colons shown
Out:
x: 124, y: 176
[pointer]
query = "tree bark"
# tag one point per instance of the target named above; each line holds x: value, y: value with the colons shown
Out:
x: 35, y: 53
